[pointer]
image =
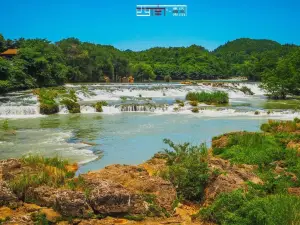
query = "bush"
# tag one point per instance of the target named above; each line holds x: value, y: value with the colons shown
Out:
x: 5, y: 86
x: 43, y: 171
x: 194, y: 103
x: 178, y: 101
x: 246, y: 90
x: 239, y: 208
x: 70, y: 101
x: 251, y: 148
x: 48, y: 109
x: 187, y: 169
x: 98, y: 107
x: 168, y: 78
x: 181, y: 104
x: 195, y: 110
x: 256, y: 113
x: 217, y: 97
x: 72, y: 106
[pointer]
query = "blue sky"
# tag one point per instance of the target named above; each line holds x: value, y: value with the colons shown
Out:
x: 209, y: 22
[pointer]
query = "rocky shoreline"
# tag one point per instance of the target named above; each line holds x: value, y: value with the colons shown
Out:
x: 120, y: 191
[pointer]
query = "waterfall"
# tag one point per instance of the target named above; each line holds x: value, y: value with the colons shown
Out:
x: 19, y: 111
x: 143, y: 108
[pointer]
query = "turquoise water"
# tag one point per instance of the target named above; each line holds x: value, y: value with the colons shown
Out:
x: 128, y: 132
x: 127, y: 138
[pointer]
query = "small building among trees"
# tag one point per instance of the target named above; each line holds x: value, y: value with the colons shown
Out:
x: 9, y: 53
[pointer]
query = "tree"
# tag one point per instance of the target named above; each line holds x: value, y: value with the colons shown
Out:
x: 142, y: 72
x: 285, y: 78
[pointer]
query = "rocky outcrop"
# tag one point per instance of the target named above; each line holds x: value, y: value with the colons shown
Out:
x: 8, y: 168
x: 137, y: 181
x: 229, y: 177
x: 7, y: 197
x: 67, y: 202
x: 107, y: 197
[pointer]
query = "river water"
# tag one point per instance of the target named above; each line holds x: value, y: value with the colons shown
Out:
x: 132, y: 128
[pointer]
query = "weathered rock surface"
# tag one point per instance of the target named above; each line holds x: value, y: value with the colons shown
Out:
x: 8, y: 167
x: 67, y: 202
x: 7, y: 197
x: 294, y: 191
x: 231, y: 177
x: 107, y: 197
x: 72, y: 203
x: 135, y: 180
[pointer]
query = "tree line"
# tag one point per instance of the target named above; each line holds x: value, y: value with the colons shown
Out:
x: 41, y: 63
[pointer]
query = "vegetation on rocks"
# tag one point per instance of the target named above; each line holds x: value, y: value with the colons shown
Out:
x: 98, y: 106
x: 70, y: 101
x: 187, y: 169
x: 274, y: 157
x: 246, y: 90
x: 217, y: 97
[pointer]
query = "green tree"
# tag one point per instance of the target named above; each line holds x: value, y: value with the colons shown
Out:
x: 142, y: 72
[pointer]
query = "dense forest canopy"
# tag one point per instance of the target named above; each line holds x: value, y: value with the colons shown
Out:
x: 41, y: 63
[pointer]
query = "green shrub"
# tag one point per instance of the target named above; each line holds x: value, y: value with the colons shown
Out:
x: 178, y: 101
x: 5, y: 86
x: 194, y: 103
x: 237, y: 208
x: 195, y: 110
x: 48, y: 109
x: 5, y: 126
x: 181, y: 104
x: 251, y: 148
x: 40, y: 171
x: 98, y: 107
x: 217, y: 97
x: 256, y: 113
x: 246, y: 90
x: 168, y: 78
x: 187, y: 169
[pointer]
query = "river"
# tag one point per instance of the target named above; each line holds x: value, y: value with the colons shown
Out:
x: 132, y: 127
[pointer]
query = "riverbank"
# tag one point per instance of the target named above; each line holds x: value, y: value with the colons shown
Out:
x: 241, y: 170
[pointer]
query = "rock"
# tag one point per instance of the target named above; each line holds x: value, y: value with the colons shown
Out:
x: 43, y: 195
x: 231, y: 177
x: 7, y: 167
x: 51, y: 215
x: 109, y: 198
x: 7, y: 197
x: 72, y: 203
x: 20, y: 220
x: 5, y: 213
x: 67, y: 202
x: 135, y: 180
x: 294, y: 191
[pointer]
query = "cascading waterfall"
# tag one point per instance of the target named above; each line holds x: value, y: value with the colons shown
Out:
x: 142, y: 107
x: 19, y: 111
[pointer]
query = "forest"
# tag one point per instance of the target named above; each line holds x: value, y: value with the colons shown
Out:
x: 42, y: 63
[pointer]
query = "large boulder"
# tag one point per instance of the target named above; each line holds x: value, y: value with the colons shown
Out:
x: 7, y: 197
x: 137, y: 182
x: 67, y: 202
x: 107, y: 197
x: 72, y: 203
x: 229, y: 178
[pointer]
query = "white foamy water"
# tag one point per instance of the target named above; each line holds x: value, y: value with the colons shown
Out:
x: 47, y: 142
x: 27, y: 106
x: 19, y: 111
